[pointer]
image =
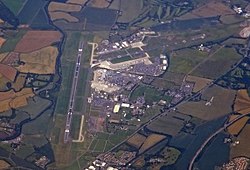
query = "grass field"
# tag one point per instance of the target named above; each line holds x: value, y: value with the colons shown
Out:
x: 14, y: 5
x: 151, y: 94
x: 130, y: 10
x: 210, y: 9
x: 218, y: 64
x: 170, y: 155
x: 68, y: 60
x: 75, y: 126
x: 122, y: 59
x: 35, y: 106
x: 185, y: 60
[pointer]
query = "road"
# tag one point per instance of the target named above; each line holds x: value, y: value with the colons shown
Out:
x: 211, y: 137
x: 178, y: 104
x: 72, y: 94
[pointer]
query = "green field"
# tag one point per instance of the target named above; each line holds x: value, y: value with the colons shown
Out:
x: 75, y: 126
x: 130, y: 10
x: 68, y: 60
x: 218, y: 64
x: 14, y: 5
x: 185, y: 60
x: 121, y: 59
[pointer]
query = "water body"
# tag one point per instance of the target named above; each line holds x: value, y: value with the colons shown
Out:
x: 191, y: 143
x: 217, y: 149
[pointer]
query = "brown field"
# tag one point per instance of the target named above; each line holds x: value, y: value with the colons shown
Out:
x: 151, y: 141
x: 242, y: 102
x: 200, y: 82
x: 136, y: 140
x: 210, y: 9
x: 99, y: 3
x: 10, y: 99
x: 35, y: 40
x: 42, y: 61
x: 19, y: 82
x: 8, y: 72
x: 2, y: 40
x: 11, y: 59
x: 2, y: 56
x: 4, y: 165
x: 235, y: 128
x: 220, y: 106
x: 57, y: 6
x: 79, y: 2
x: 62, y: 15
x: 242, y: 149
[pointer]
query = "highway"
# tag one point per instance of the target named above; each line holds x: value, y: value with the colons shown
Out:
x: 72, y: 94
x: 211, y: 137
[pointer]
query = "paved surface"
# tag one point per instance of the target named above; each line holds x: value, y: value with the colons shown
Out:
x: 72, y: 94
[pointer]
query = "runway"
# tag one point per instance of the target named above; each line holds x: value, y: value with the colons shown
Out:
x: 72, y: 94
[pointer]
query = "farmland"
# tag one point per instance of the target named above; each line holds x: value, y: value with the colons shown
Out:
x: 62, y: 15
x: 56, y: 6
x: 242, y: 102
x: 35, y: 40
x: 11, y: 99
x: 42, y: 61
x: 8, y: 72
x: 136, y: 140
x: 150, y: 141
x: 242, y: 149
x: 19, y: 82
x: 210, y: 9
x: 221, y: 104
x: 200, y: 82
x: 79, y: 2
x: 171, y: 124
x: 236, y: 127
x: 99, y: 3
x: 218, y: 64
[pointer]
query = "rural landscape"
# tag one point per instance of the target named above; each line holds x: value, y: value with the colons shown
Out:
x: 125, y: 84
